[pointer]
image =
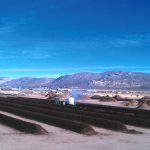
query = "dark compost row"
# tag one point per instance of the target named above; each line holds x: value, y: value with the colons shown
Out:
x: 52, y: 120
x: 84, y: 113
x: 21, y: 125
x: 100, y: 122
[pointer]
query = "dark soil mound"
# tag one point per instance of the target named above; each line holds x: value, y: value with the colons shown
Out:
x: 144, y: 104
x: 104, y: 98
x: 95, y: 97
x: 118, y: 97
x: 21, y: 125
x: 52, y: 120
x: 107, y: 99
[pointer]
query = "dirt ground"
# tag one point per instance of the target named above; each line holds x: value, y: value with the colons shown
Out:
x: 130, y: 95
x: 60, y: 139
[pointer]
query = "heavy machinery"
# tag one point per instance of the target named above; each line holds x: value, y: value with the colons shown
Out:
x: 60, y: 98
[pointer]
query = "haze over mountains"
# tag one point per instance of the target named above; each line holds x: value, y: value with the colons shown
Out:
x: 106, y: 80
x: 27, y: 82
x: 4, y: 80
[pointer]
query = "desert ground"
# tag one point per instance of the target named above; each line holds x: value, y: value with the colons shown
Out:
x: 59, y: 139
x: 127, y: 94
x: 62, y: 139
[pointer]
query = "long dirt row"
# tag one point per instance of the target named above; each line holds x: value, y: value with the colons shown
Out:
x: 23, y: 126
x: 52, y: 120
x: 94, y: 107
x: 100, y: 122
x: 115, y: 109
x: 45, y: 104
x: 81, y: 115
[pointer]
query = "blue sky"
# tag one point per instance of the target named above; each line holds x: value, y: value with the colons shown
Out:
x: 56, y: 37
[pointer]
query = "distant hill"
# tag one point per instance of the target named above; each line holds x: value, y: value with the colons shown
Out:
x: 75, y: 80
x: 28, y: 82
x: 106, y: 80
x: 122, y: 80
x: 4, y: 79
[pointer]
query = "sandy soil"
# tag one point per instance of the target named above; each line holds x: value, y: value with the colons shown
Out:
x: 60, y: 139
x: 124, y: 95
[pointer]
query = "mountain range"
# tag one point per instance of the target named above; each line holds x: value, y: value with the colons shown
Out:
x: 4, y: 80
x: 106, y: 80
